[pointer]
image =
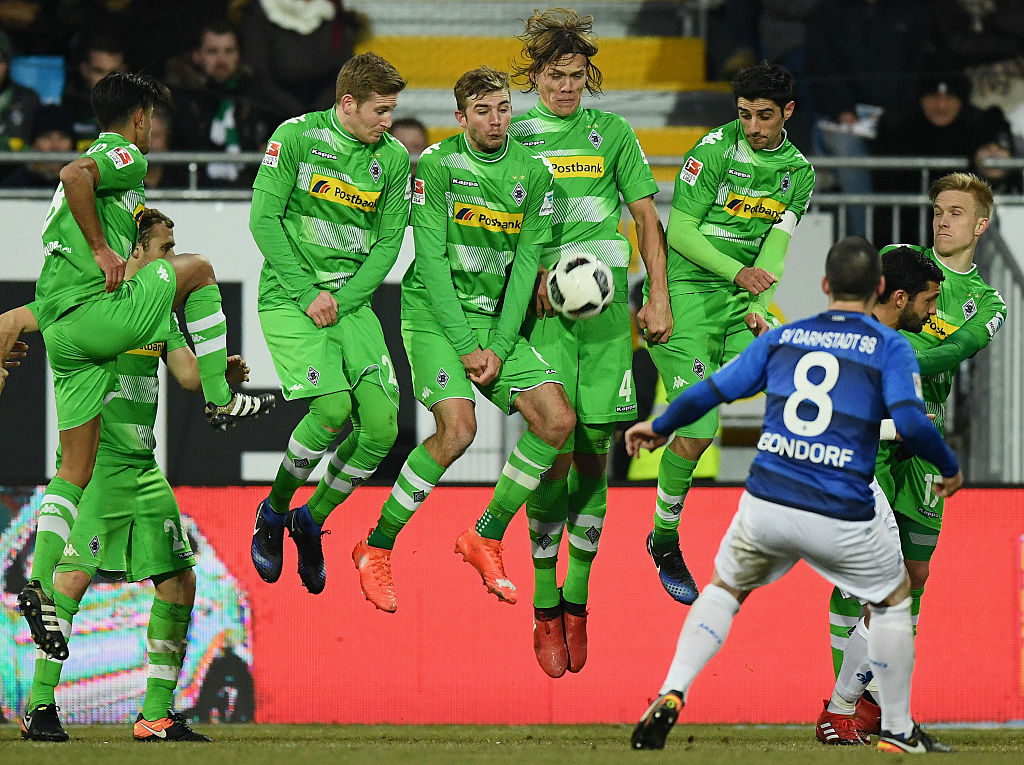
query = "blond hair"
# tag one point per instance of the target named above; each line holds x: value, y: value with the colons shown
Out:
x: 366, y: 74
x: 479, y: 82
x: 551, y: 36
x: 969, y: 183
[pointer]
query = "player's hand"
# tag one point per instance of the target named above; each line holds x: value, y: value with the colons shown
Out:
x: 323, y: 310
x: 237, y: 371
x: 492, y: 365
x: 19, y: 351
x: 655, y: 320
x: 756, y: 323
x: 474, y: 362
x: 755, y: 280
x: 947, y: 487
x: 543, y: 305
x: 642, y: 436
x: 112, y: 265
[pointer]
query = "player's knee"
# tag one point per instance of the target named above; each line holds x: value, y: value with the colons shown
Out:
x: 377, y: 436
x: 456, y: 434
x: 332, y: 410
x: 198, y: 270
x: 689, y: 448
x: 558, y: 425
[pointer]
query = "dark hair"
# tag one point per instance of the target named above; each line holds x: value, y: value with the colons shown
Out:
x: 477, y: 83
x: 764, y: 80
x: 217, y: 27
x: 409, y: 122
x: 102, y: 43
x: 549, y: 37
x: 116, y: 97
x: 149, y: 218
x: 909, y: 270
x: 852, y: 268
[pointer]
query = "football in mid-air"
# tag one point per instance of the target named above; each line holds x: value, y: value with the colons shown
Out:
x: 580, y: 286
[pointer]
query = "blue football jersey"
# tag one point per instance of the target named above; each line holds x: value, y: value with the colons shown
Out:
x: 829, y: 380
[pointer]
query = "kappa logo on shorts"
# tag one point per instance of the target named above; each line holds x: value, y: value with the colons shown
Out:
x: 593, y: 534
x: 699, y: 368
x: 313, y: 376
x: 544, y: 541
x: 70, y: 551
x: 625, y: 408
x: 678, y: 382
x: 427, y: 393
x: 928, y: 513
x: 442, y: 378
x: 94, y: 546
x: 969, y: 309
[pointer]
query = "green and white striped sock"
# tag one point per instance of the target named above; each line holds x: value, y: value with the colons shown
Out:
x: 520, y: 476
x: 57, y: 514
x: 588, y: 504
x: 419, y: 476
x: 209, y: 330
x: 547, y: 510
x: 166, y: 640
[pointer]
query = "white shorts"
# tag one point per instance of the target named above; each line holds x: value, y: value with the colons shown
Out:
x: 765, y: 540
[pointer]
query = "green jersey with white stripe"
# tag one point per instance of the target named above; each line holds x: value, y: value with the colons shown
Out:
x: 737, y: 194
x: 965, y: 304
x: 70, y: 275
x: 483, y: 208
x: 341, y: 193
x: 595, y: 157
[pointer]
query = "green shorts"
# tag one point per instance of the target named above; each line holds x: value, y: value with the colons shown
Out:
x: 438, y: 374
x: 82, y: 346
x: 913, y: 480
x: 128, y: 520
x: 708, y: 331
x: 917, y: 541
x: 314, y: 362
x: 594, y: 359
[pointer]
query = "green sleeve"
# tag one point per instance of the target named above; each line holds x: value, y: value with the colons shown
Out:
x: 175, y: 339
x: 772, y: 259
x: 434, y: 271
x: 280, y: 164
x: 120, y: 167
x: 948, y: 354
x: 803, y: 189
x: 358, y: 290
x: 633, y: 176
x: 266, y: 222
x: 684, y: 237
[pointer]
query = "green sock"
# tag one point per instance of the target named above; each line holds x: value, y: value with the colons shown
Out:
x: 349, y: 467
x: 843, y: 615
x: 419, y: 476
x: 547, y: 508
x: 209, y: 330
x: 520, y: 476
x: 915, y: 606
x: 306, y: 447
x: 165, y: 646
x: 47, y: 672
x: 588, y: 504
x: 57, y: 514
x: 675, y: 475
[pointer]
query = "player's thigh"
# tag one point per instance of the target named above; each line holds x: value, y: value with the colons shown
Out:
x: 158, y: 542
x: 917, y: 541
x: 556, y: 339
x: 80, y: 384
x: 437, y: 371
x: 525, y: 369
x: 367, y: 361
x: 694, y: 350
x: 605, y: 388
x: 915, y: 497
x: 309, y: 361
x: 99, y: 536
x: 748, y: 557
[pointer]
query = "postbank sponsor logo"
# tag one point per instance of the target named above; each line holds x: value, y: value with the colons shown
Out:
x: 577, y: 167
x: 333, y: 190
x: 755, y: 207
x: 483, y: 217
x: 152, y: 349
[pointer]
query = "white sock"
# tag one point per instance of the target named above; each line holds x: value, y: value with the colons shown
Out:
x: 891, y: 653
x: 702, y: 635
x: 853, y: 674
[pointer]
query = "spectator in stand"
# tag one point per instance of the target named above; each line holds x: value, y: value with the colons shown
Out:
x: 863, y: 58
x: 100, y: 55
x: 413, y: 135
x: 52, y: 130
x: 17, y: 104
x: 224, y: 110
x: 942, y: 123
x: 296, y: 47
x: 159, y: 175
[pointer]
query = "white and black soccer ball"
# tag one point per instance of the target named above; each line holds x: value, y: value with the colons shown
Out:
x: 580, y: 286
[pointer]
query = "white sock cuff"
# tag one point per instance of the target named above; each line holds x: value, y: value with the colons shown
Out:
x: 720, y: 596
x: 889, y: 617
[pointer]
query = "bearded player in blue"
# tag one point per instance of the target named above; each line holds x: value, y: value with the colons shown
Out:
x: 829, y: 381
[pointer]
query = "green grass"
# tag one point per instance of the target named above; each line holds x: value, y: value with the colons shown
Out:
x: 376, y: 744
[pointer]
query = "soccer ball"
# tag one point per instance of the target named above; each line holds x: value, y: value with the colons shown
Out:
x: 580, y: 286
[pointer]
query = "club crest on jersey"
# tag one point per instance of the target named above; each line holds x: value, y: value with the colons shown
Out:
x: 442, y: 378
x: 313, y: 376
x: 699, y: 368
x: 120, y: 156
x: 94, y: 546
x: 691, y: 170
x: 519, y: 193
x: 375, y: 170
x: 272, y: 155
x: 333, y: 190
x: 743, y: 206
x: 595, y: 138
x: 786, y: 182
x: 478, y: 216
x: 969, y: 309
x: 577, y: 167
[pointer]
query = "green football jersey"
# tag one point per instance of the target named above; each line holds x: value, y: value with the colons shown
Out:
x: 70, y: 275
x: 595, y: 157
x: 341, y: 194
x: 480, y: 209
x: 965, y: 304
x: 737, y: 194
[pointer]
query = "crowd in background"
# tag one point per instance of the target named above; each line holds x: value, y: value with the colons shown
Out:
x: 876, y: 77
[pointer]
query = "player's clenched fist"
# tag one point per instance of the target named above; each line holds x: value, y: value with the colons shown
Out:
x: 754, y: 280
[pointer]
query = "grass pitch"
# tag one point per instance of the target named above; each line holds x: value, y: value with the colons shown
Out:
x: 376, y: 744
